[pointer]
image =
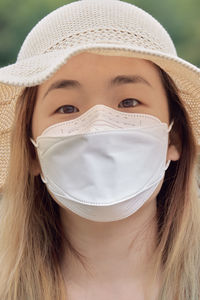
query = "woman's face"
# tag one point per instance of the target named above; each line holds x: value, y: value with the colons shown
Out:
x: 125, y: 84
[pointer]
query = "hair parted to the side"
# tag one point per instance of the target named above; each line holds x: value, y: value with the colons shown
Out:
x: 31, y: 236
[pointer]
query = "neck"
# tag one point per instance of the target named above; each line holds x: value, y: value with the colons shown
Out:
x: 126, y: 245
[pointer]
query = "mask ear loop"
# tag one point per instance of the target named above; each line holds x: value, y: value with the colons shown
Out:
x: 34, y: 143
x: 170, y: 126
x: 169, y: 129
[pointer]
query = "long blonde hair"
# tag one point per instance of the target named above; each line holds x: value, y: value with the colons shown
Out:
x: 31, y: 236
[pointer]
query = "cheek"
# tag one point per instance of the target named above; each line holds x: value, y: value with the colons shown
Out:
x: 35, y: 124
x: 161, y: 108
x: 38, y: 121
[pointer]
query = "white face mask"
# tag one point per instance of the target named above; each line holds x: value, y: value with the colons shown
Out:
x: 105, y: 164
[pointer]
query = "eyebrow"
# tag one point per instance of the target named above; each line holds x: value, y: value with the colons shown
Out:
x: 116, y: 81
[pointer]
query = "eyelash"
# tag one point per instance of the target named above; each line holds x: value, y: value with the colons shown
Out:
x: 72, y: 106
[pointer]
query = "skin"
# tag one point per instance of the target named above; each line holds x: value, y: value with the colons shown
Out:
x: 119, y: 254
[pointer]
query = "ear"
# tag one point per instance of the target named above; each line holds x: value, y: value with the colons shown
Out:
x: 174, y: 147
x: 35, y: 167
x: 173, y: 153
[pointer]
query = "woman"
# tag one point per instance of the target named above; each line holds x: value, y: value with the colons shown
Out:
x: 99, y: 176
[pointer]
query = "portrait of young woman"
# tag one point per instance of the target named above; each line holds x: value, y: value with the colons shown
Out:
x: 99, y: 137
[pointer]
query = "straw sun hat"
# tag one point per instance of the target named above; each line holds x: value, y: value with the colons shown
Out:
x: 109, y: 27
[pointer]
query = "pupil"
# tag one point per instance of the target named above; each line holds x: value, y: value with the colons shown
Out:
x: 68, y: 109
x: 127, y: 102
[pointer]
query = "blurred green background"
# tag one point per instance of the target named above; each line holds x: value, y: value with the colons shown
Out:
x: 181, y: 18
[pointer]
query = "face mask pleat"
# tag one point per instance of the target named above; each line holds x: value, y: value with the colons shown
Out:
x: 99, y: 118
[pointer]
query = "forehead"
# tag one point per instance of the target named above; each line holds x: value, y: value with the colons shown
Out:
x: 104, y: 65
x: 92, y: 58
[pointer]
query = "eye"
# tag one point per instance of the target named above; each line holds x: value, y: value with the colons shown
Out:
x: 67, y: 109
x: 130, y: 102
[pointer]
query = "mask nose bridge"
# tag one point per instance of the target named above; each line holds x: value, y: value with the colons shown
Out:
x: 99, y: 102
x: 99, y: 109
x: 100, y: 113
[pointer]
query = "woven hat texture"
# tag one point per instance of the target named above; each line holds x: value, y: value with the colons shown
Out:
x: 108, y: 27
